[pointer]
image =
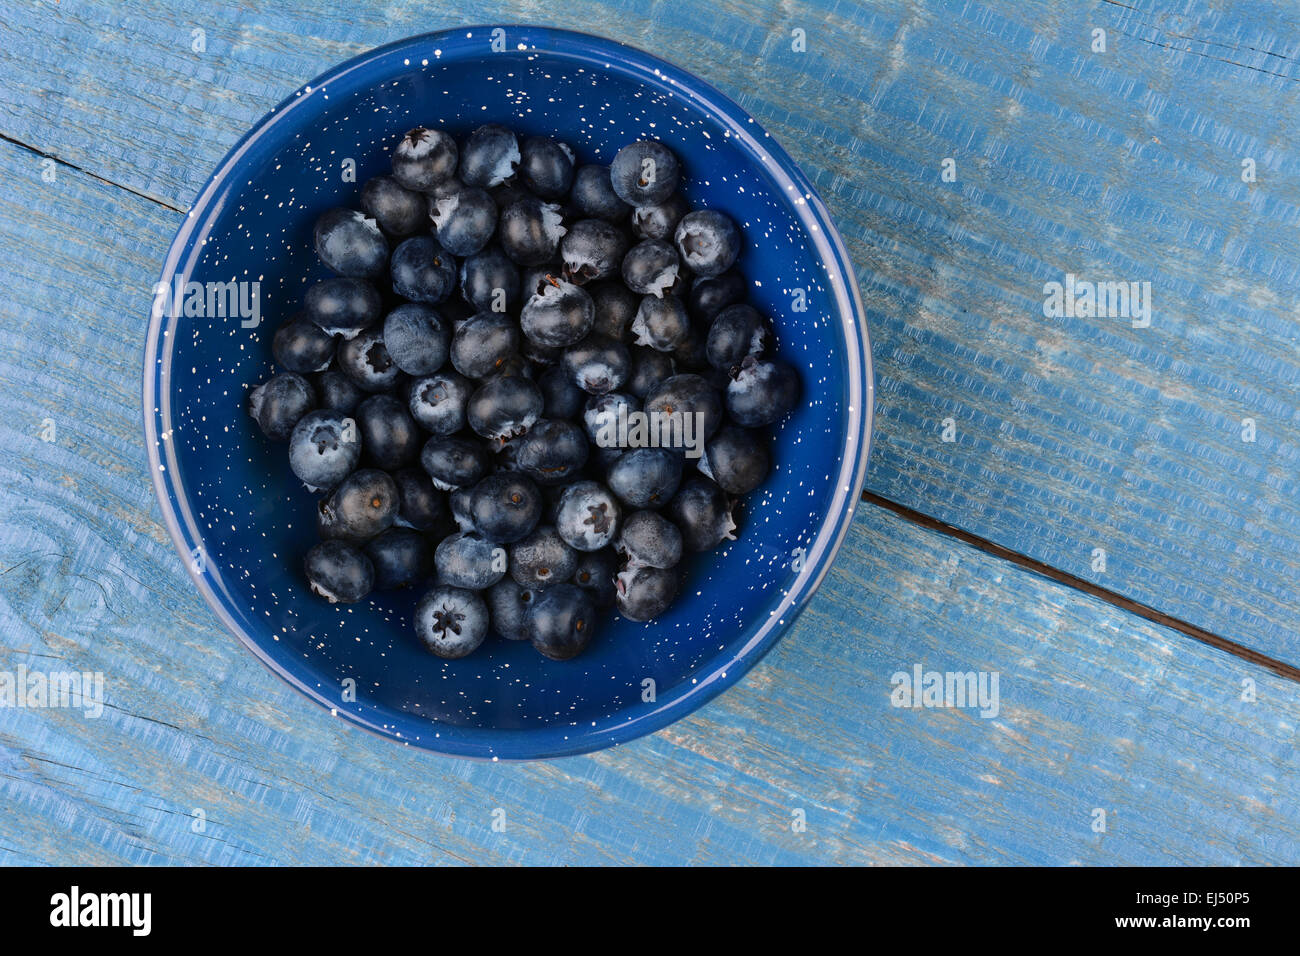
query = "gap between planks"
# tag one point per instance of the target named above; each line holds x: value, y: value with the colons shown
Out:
x: 1281, y: 668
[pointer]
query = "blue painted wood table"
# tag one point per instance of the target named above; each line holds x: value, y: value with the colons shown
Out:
x: 1098, y: 505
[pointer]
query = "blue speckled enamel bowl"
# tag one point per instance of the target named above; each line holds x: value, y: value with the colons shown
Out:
x: 242, y: 522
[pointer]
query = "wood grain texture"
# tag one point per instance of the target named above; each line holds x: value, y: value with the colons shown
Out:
x: 1098, y: 710
x: 1071, y: 434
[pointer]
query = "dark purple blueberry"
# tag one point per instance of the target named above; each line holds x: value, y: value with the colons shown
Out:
x: 279, y: 403
x: 588, y: 516
x: 542, y: 558
x: 508, y: 193
x: 337, y: 392
x: 482, y: 345
x: 363, y: 505
x: 644, y: 173
x: 560, y: 397
x: 605, y: 414
x: 645, y: 477
x: 389, y: 436
x: 615, y: 305
x: 648, y: 369
x: 546, y: 166
x: 711, y: 294
x: 464, y: 220
x: 560, y: 315
x: 324, y: 448
x: 707, y: 241
x: 660, y: 222
x: 423, y: 271
x: 365, y: 359
x: 452, y: 622
x: 300, y: 345
x: 398, y: 210
x: 438, y: 402
x: 489, y: 281
x: 737, y: 331
x: 661, y: 323
x: 702, y: 511
x: 455, y: 462
x: 645, y: 593
x: 530, y: 231
x: 342, y: 306
x: 594, y: 195
x: 505, y: 507
x: 339, y: 572
x: 597, y: 364
x: 508, y: 600
x: 595, y: 575
x: 469, y: 560
x: 552, y: 453
x: 417, y: 338
x: 561, y: 622
x: 419, y: 504
x: 423, y: 158
x: 503, y: 407
x: 350, y: 243
x: 592, y: 250
x: 401, y: 557
x: 736, y: 459
x: 761, y: 393
x: 648, y: 539
x: 490, y: 157
x: 692, y: 355
x: 650, y: 267
x: 688, y: 395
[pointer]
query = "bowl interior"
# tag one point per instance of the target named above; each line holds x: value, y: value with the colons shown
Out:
x: 235, y: 506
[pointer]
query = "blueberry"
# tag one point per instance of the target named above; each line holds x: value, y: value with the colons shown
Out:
x: 688, y: 394
x: 530, y: 231
x: 736, y: 459
x: 737, y: 331
x: 350, y: 243
x: 454, y: 462
x: 452, y: 622
x: 552, y: 453
x: 597, y: 364
x: 648, y: 539
x: 561, y: 622
x: 343, y: 306
x: 398, y: 210
x: 465, y: 220
x: 505, y: 507
x: 438, y: 402
x: 400, y: 556
x: 339, y: 572
x: 363, y: 505
x: 469, y: 560
x: 337, y: 392
x: 650, y: 267
x: 692, y: 355
x: 389, y: 436
x: 489, y: 281
x: 707, y: 241
x: 508, y: 193
x: 419, y: 504
x: 645, y: 593
x: 508, y: 601
x: 546, y: 166
x: 560, y: 397
x: 490, y: 157
x: 761, y: 393
x: 504, y: 407
x: 594, y: 195
x: 588, y: 515
x: 417, y: 338
x: 644, y: 173
x: 660, y: 222
x: 423, y: 271
x: 661, y: 323
x: 542, y: 558
x: 703, y: 513
x: 615, y: 307
x: 592, y: 250
x: 365, y: 359
x: 603, y: 413
x: 300, y: 345
x: 423, y: 158
x: 645, y: 477
x: 324, y: 448
x: 648, y: 369
x: 595, y: 575
x: 711, y: 294
x: 481, y: 346
x: 560, y: 315
x: 279, y: 403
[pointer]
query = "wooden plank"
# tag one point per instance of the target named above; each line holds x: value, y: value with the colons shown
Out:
x: 1071, y: 434
x: 1098, y: 710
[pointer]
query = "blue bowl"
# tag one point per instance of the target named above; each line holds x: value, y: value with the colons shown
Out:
x: 242, y: 522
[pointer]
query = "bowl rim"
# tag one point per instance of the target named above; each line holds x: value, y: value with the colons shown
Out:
x: 718, y: 672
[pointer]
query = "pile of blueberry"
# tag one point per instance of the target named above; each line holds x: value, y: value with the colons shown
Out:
x: 493, y: 310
